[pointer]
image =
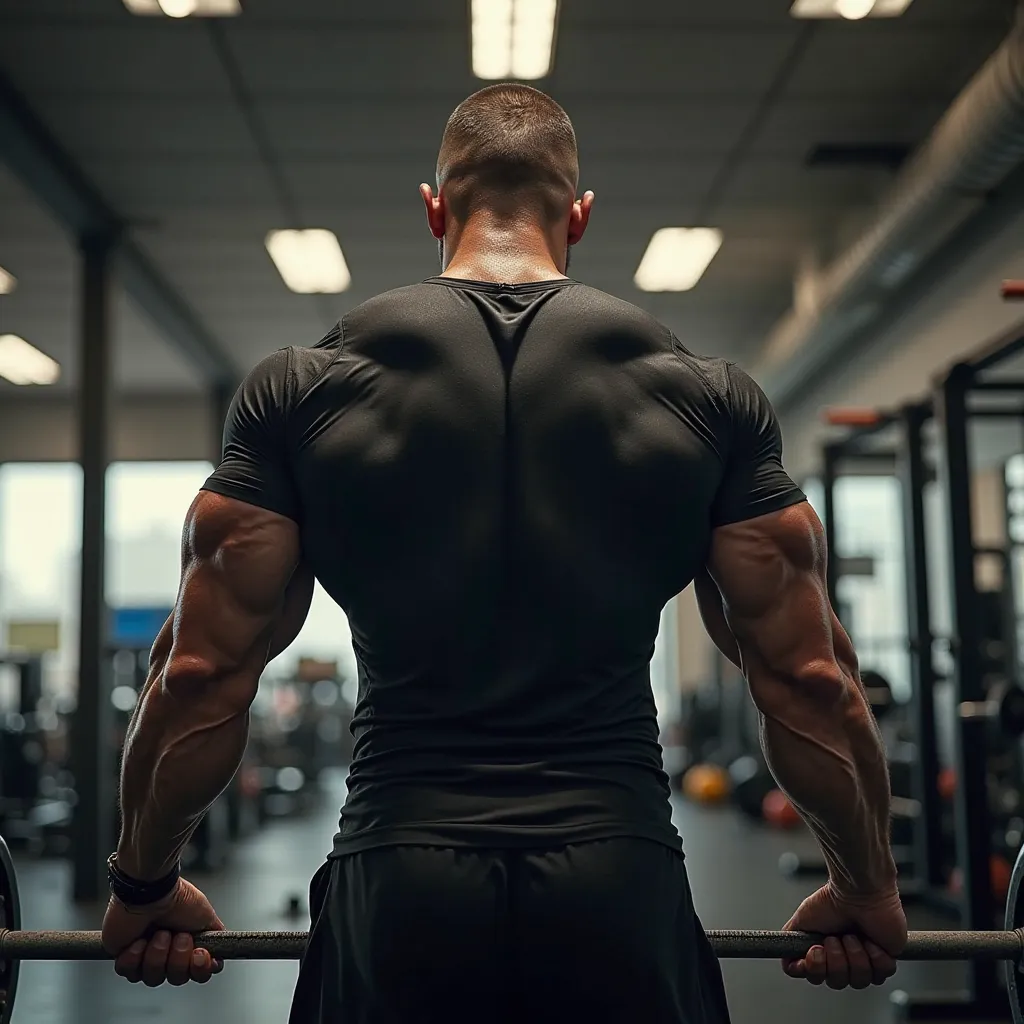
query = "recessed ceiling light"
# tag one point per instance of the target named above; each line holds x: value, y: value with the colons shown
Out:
x: 852, y: 10
x: 178, y: 8
x: 513, y: 38
x: 22, y: 363
x: 185, y: 8
x: 676, y: 259
x: 8, y: 282
x: 310, y: 261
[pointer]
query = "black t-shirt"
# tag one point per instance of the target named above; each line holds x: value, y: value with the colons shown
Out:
x: 502, y: 486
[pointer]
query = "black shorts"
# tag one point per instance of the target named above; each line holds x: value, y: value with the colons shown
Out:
x: 598, y: 932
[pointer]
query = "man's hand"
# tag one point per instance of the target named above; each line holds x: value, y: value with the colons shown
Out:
x: 153, y: 944
x: 864, y: 937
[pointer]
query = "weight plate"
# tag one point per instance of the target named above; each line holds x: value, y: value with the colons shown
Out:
x: 1015, y: 919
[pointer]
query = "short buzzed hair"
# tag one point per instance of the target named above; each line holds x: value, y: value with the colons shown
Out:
x: 506, y: 147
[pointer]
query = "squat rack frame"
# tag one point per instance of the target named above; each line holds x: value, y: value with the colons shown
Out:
x: 952, y: 398
x: 904, y: 458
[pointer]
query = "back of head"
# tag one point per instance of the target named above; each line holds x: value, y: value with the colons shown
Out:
x: 511, y: 149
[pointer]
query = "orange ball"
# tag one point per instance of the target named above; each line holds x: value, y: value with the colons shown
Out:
x: 778, y: 811
x: 947, y: 783
x: 706, y: 784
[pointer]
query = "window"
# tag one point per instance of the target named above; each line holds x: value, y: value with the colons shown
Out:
x: 40, y: 549
x: 146, y: 507
x: 872, y: 602
x: 40, y: 540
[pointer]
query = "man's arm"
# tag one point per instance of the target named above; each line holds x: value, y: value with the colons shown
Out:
x: 243, y: 599
x: 817, y: 730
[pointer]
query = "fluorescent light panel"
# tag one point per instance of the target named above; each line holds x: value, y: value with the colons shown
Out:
x: 676, y: 259
x: 8, y: 282
x: 22, y: 363
x: 513, y: 38
x: 311, y: 261
x: 185, y: 8
x: 853, y: 10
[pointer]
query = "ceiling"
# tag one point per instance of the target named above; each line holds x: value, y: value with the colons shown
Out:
x: 206, y: 134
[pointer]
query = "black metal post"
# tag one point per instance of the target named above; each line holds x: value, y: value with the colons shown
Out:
x: 912, y: 477
x: 984, y: 999
x: 92, y: 734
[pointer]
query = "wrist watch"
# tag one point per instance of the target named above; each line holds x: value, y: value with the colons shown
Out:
x: 134, y: 893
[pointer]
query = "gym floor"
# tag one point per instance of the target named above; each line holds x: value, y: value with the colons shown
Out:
x: 733, y: 871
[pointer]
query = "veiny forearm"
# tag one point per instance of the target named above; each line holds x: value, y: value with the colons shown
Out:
x: 184, y: 745
x: 823, y: 747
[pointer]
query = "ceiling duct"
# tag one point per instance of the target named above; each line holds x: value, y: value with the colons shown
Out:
x: 978, y: 142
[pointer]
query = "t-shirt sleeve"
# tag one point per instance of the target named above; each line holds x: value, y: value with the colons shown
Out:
x: 755, y: 482
x: 255, y: 462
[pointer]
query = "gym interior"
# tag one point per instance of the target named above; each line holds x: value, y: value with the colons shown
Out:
x: 189, y: 185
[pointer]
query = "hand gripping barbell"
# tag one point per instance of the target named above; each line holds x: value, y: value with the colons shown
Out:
x: 17, y: 945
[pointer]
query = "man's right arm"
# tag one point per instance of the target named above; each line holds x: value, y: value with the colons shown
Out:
x: 818, y: 733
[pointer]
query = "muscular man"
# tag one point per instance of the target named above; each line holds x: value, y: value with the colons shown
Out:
x: 502, y: 476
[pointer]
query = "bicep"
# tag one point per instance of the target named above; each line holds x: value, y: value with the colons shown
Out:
x: 238, y: 563
x: 771, y: 575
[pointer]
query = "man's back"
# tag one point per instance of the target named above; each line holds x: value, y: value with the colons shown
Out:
x: 502, y: 486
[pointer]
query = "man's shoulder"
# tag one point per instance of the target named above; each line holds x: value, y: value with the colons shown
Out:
x: 616, y: 311
x: 613, y: 307
x: 406, y: 300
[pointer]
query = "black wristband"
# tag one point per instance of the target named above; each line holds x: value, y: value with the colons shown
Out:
x: 134, y: 893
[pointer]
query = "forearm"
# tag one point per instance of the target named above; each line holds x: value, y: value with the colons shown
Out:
x: 184, y: 745
x: 827, y: 756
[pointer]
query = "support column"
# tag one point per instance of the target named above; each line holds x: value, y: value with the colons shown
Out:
x: 94, y: 759
x: 972, y: 820
x: 928, y: 851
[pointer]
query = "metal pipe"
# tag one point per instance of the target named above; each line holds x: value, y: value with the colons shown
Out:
x: 945, y: 185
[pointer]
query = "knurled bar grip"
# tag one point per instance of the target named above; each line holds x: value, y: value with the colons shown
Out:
x: 935, y: 945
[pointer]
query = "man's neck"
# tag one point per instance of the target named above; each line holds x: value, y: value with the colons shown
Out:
x: 487, y: 249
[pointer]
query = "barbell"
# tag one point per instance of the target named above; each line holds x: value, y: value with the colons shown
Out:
x: 17, y: 945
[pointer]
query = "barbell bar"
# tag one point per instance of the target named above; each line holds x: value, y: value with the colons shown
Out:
x: 17, y: 945
x: 735, y: 945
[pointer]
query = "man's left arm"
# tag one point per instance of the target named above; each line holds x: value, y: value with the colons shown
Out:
x: 242, y: 600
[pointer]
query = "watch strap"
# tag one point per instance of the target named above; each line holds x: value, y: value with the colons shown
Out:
x: 136, y: 893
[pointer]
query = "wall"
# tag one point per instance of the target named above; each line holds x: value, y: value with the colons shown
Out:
x: 155, y: 428
x: 961, y: 312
